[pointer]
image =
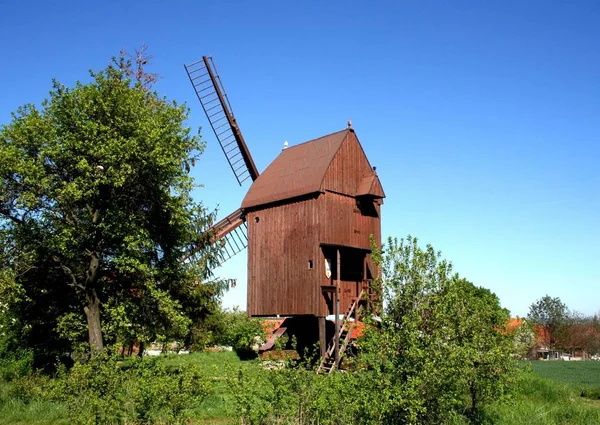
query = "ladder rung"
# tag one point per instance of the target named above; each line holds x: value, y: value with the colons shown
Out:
x: 201, y: 82
x: 223, y: 132
x: 216, y: 121
x: 199, y: 76
x: 213, y: 107
x: 210, y: 101
x: 231, y: 150
x: 193, y: 71
x: 194, y: 63
x: 222, y: 125
x: 225, y: 139
x: 216, y: 113
x: 204, y: 89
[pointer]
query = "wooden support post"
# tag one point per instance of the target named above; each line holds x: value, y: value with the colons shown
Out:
x: 365, y: 285
x: 336, y: 339
x: 322, y: 336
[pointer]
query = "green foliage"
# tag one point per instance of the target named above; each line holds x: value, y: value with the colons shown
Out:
x: 249, y: 392
x: 96, y: 216
x: 166, y: 396
x: 551, y: 314
x: 15, y: 364
x: 145, y: 392
x: 225, y: 327
x: 241, y: 332
x: 299, y: 396
x: 440, y: 339
x: 94, y: 392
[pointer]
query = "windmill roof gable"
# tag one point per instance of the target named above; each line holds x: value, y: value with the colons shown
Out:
x: 298, y: 170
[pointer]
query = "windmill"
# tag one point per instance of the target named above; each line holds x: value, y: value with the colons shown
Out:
x: 307, y: 221
x: 232, y: 230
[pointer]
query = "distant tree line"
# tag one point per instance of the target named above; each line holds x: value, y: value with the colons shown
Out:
x: 557, y: 328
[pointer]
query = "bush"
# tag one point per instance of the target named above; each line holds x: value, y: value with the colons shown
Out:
x: 94, y: 392
x: 165, y: 396
x: 242, y: 333
x: 15, y: 365
x: 104, y: 391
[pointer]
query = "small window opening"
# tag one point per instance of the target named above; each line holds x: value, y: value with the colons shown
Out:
x: 256, y: 219
x: 310, y: 264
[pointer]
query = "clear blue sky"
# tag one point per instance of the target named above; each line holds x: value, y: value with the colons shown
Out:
x: 483, y: 118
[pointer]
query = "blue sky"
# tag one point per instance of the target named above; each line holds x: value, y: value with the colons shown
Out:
x: 483, y: 118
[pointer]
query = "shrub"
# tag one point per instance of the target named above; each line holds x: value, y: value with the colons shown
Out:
x: 94, y: 392
x: 242, y: 333
x: 15, y: 365
x: 104, y: 391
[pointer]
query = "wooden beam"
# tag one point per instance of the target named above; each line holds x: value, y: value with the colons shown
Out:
x: 336, y: 339
x: 322, y: 336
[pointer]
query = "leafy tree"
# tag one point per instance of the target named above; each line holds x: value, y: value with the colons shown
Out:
x: 96, y: 214
x: 582, y: 332
x: 483, y: 340
x: 550, y: 315
x: 441, y: 338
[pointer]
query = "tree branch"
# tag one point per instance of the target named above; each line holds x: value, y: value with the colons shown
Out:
x: 69, y: 273
x: 6, y: 214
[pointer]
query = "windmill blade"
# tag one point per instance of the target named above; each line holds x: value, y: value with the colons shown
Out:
x: 211, y: 94
x: 231, y: 233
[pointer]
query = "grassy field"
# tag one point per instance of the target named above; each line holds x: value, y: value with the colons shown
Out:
x: 578, y: 374
x: 218, y: 408
x: 550, y: 393
x: 537, y: 400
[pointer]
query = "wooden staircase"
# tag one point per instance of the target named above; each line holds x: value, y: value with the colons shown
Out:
x: 328, y: 362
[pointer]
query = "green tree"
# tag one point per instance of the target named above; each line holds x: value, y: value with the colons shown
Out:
x: 96, y: 213
x: 552, y: 316
x: 441, y: 339
x: 483, y: 340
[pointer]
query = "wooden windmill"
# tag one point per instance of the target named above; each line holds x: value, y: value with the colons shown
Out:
x: 307, y: 221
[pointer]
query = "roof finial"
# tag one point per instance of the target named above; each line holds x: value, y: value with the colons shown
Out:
x: 285, y: 145
x: 349, y: 124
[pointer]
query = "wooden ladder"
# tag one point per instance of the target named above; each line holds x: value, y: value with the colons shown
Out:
x: 328, y: 363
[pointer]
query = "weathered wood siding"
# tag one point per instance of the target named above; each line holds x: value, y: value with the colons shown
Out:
x: 344, y: 223
x: 348, y: 167
x: 281, y: 244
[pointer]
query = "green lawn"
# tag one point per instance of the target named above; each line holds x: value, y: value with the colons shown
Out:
x: 578, y: 374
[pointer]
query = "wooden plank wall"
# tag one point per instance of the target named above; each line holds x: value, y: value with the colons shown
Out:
x: 343, y: 223
x: 348, y: 167
x: 280, y: 246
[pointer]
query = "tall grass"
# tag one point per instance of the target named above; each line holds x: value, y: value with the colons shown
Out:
x: 16, y: 409
x: 538, y: 400
x: 534, y: 399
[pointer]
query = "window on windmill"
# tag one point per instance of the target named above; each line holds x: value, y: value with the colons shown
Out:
x: 310, y: 264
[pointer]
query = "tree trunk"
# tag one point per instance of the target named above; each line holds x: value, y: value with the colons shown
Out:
x: 92, y: 312
x: 473, y: 398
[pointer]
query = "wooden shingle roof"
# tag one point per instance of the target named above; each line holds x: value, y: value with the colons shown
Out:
x: 298, y: 170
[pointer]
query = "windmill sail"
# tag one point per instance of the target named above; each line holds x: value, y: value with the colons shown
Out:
x: 211, y: 94
x: 232, y: 234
